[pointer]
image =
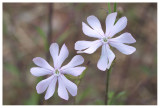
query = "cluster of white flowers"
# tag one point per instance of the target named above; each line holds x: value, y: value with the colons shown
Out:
x: 107, y: 56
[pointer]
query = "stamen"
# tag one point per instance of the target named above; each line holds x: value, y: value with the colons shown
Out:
x: 105, y: 39
x: 57, y: 72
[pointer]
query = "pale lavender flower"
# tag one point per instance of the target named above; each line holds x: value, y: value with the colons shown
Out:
x: 57, y: 72
x: 105, y: 39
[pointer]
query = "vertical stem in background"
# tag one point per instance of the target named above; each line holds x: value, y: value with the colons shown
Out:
x: 107, y: 85
x: 109, y: 8
x: 115, y: 7
x: 49, y: 35
x: 48, y: 42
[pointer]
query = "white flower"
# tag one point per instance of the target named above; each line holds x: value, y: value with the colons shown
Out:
x: 105, y: 39
x: 57, y: 72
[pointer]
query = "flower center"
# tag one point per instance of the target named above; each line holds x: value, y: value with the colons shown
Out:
x: 57, y: 72
x: 105, y: 39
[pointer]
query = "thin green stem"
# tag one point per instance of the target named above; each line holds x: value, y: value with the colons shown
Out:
x: 115, y: 7
x: 107, y: 85
x: 50, y: 20
x: 109, y: 8
x: 107, y: 82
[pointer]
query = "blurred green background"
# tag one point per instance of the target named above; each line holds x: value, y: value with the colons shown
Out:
x: 25, y: 28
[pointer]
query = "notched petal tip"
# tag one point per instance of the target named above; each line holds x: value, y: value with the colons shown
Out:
x: 75, y: 45
x: 133, y: 39
x: 125, y: 18
x: 80, y: 57
x: 83, y: 23
x: 91, y: 16
x: 79, y: 52
x: 53, y: 44
x: 38, y: 90
x: 64, y: 45
x: 102, y: 69
x: 114, y: 13
x: 34, y: 59
x: 84, y: 68
x: 46, y: 98
x: 65, y: 98
x: 31, y: 70
x: 133, y: 50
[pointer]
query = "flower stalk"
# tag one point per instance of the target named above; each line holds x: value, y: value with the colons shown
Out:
x: 50, y: 20
x: 107, y: 83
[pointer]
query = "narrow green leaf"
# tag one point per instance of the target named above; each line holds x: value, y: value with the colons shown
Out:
x: 120, y: 94
x: 111, y: 97
x: 109, y: 8
x: 115, y: 7
x: 80, y: 77
x: 83, y: 73
x: 71, y: 77
x: 111, y: 94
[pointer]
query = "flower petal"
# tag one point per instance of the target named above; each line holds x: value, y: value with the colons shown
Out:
x: 54, y: 50
x: 37, y: 71
x: 62, y: 91
x: 92, y: 48
x: 51, y: 88
x: 62, y: 56
x: 119, y: 26
x: 81, y: 45
x: 95, y: 24
x: 42, y: 63
x: 125, y: 49
x: 71, y: 87
x: 89, y: 31
x: 103, y: 61
x: 110, y: 56
x: 110, y: 20
x: 42, y: 85
x: 76, y: 71
x: 76, y: 60
x: 106, y: 59
x: 124, y: 38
